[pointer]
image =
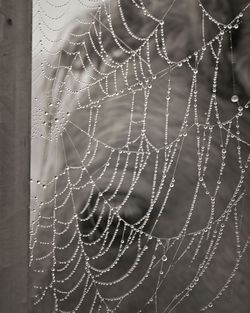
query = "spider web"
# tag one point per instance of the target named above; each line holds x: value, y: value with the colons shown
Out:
x: 94, y: 242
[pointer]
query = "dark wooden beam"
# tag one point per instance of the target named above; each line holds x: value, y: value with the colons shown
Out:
x: 15, y: 109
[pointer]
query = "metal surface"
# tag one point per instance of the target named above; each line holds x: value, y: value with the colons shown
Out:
x: 15, y: 95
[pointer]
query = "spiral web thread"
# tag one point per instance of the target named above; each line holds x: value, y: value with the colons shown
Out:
x: 71, y: 255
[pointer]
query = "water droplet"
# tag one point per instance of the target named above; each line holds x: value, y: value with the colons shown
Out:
x: 235, y: 98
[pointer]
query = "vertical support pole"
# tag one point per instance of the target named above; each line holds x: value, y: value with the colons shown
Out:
x: 15, y: 109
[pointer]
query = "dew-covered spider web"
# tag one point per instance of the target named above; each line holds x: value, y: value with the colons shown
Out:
x: 140, y: 153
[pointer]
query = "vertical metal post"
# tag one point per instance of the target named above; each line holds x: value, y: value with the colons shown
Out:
x: 15, y: 99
